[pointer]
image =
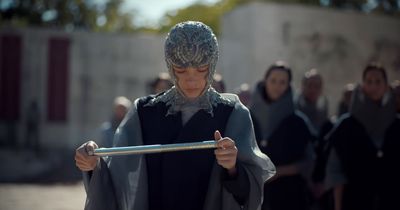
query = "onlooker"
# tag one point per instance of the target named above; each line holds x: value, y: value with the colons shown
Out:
x: 365, y: 148
x: 244, y: 93
x: 344, y: 103
x: 396, y: 91
x: 161, y: 83
x: 314, y: 105
x: 121, y: 106
x: 283, y: 134
x: 32, y: 127
x: 218, y: 83
x: 311, y: 101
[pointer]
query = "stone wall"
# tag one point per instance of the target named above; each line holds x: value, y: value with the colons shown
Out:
x: 103, y: 66
x: 338, y: 43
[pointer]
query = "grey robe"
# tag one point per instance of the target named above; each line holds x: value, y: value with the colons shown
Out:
x: 120, y: 182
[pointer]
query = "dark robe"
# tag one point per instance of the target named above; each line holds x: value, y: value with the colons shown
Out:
x: 373, y: 182
x: 286, y: 138
x: 288, y: 145
x: 180, y: 179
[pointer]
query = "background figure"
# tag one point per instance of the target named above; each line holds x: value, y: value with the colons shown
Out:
x: 314, y: 105
x: 396, y: 91
x: 344, y: 104
x: 121, y: 106
x: 32, y: 127
x: 365, y: 148
x: 311, y: 101
x: 244, y: 93
x: 161, y: 83
x: 283, y: 134
x: 218, y: 83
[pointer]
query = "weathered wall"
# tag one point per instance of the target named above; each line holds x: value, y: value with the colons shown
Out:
x: 337, y: 43
x: 103, y: 66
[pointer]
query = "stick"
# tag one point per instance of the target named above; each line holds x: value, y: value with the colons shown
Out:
x: 157, y: 148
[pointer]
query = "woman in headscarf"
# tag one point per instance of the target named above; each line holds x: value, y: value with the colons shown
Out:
x: 365, y: 148
x: 283, y: 134
x: 230, y: 177
x: 314, y: 105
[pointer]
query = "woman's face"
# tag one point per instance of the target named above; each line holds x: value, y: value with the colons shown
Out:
x: 276, y: 84
x: 374, y: 85
x: 312, y: 89
x: 191, y: 80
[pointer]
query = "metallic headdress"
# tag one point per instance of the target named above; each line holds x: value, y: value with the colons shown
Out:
x: 191, y: 44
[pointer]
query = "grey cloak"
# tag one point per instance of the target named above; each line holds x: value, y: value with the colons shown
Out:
x: 120, y: 182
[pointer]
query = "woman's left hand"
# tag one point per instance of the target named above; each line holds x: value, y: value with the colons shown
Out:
x: 226, y: 153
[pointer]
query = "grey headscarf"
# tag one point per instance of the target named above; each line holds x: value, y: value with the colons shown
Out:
x: 191, y: 44
x: 317, y: 113
x: 376, y: 118
x: 176, y: 102
x: 270, y: 115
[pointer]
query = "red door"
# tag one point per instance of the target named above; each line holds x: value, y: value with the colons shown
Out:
x: 58, y: 79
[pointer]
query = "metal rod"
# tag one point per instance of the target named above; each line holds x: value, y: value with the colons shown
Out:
x: 157, y: 148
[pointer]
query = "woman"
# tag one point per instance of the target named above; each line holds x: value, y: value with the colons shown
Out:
x: 396, y: 91
x: 282, y: 134
x: 120, y: 108
x: 314, y: 105
x: 365, y: 148
x: 161, y: 83
x: 230, y: 177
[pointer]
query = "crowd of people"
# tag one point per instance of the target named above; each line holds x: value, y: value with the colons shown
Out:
x: 277, y: 149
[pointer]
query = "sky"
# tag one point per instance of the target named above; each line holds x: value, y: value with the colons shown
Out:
x: 149, y: 12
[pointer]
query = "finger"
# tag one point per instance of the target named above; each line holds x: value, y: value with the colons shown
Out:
x: 90, y: 147
x: 217, y: 135
x: 226, y: 158
x: 82, y: 158
x: 86, y: 165
x: 78, y: 155
x: 81, y: 166
x: 92, y: 144
x: 225, y: 162
x: 226, y: 143
x: 82, y: 152
x: 225, y: 151
x: 78, y: 158
x: 86, y: 169
x: 82, y: 163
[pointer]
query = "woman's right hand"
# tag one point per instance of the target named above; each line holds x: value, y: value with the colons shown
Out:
x: 83, y: 160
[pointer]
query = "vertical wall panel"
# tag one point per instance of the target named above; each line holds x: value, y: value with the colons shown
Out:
x: 58, y: 79
x: 10, y: 77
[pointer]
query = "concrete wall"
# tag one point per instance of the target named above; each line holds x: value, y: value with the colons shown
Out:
x: 337, y: 43
x: 105, y: 66
x: 101, y: 67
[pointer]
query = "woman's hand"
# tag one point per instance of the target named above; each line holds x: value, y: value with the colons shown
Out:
x: 83, y: 160
x: 226, y: 153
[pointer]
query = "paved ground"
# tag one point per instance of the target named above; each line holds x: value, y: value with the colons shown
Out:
x: 45, y: 181
x: 25, y: 166
x: 42, y: 197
